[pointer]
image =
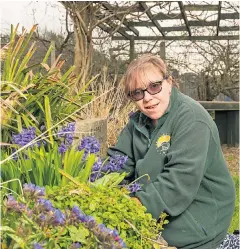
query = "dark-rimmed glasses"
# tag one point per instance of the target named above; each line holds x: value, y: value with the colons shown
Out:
x: 153, y: 88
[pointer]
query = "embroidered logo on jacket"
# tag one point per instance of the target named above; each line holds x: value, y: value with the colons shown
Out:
x: 163, y: 144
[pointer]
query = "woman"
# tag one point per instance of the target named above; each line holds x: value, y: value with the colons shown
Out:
x: 173, y: 147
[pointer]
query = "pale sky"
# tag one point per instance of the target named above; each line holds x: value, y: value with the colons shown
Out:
x: 27, y: 13
x: 50, y: 15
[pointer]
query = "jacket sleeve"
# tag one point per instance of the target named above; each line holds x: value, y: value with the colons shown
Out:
x: 177, y: 185
x: 124, y: 147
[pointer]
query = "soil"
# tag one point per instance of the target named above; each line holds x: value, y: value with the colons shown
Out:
x: 231, y: 155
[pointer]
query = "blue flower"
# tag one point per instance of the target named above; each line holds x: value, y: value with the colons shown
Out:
x: 75, y: 245
x: 78, y: 213
x: 67, y: 133
x: 133, y: 188
x: 59, y: 217
x: 37, y: 246
x: 96, y: 170
x: 32, y: 190
x: 115, y: 163
x: 62, y: 148
x: 46, y: 205
x: 90, y: 144
x: 25, y: 137
x: 42, y: 217
x: 11, y: 203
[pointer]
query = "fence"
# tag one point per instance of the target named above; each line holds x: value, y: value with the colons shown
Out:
x: 226, y: 116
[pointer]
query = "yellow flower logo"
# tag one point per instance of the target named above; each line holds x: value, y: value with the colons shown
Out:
x: 162, y: 139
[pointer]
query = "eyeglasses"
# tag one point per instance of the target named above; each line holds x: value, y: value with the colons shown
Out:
x: 153, y: 88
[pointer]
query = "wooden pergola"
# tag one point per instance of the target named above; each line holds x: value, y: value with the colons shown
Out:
x: 175, y: 24
x: 128, y: 29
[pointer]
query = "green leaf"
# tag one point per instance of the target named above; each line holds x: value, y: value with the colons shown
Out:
x: 112, y: 179
x: 19, y: 240
x: 86, y: 172
x: 48, y: 117
x: 6, y: 229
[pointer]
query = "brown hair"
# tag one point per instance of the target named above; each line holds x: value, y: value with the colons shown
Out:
x: 138, y: 67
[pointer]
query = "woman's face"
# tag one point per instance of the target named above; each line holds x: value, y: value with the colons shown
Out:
x: 153, y: 106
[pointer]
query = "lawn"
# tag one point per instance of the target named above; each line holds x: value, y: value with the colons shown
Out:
x: 232, y: 157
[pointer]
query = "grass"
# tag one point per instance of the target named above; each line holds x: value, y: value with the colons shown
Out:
x: 235, y: 220
x: 231, y: 155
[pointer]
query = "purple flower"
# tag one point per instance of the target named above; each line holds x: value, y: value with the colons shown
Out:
x: 115, y: 163
x: 76, y: 211
x: 11, y: 203
x: 133, y: 188
x: 33, y: 191
x: 95, y: 170
x: 62, y: 148
x: 75, y: 245
x: 78, y: 214
x: 37, y: 246
x: 67, y: 133
x: 60, y: 217
x: 115, y: 233
x: 25, y: 137
x: 90, y: 144
x: 46, y: 205
x: 42, y: 217
x: 39, y: 191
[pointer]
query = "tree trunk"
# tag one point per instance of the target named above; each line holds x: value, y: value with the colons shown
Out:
x: 81, y: 14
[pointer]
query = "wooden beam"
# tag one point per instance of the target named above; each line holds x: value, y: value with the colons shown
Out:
x: 150, y: 16
x: 220, y: 105
x: 162, y: 16
x: 202, y: 23
x: 200, y: 7
x: 141, y: 24
x: 110, y: 30
x: 108, y: 6
x: 113, y: 27
x: 183, y: 28
x: 219, y: 16
x: 180, y: 3
x: 225, y: 16
x: 178, y: 38
x: 230, y: 28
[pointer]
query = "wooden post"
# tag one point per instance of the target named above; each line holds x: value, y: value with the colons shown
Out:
x: 132, y: 50
x: 96, y: 127
x: 162, y: 51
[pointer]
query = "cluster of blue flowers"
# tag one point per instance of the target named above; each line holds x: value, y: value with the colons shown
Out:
x: 67, y: 134
x: 25, y: 137
x: 90, y: 145
x: 134, y: 187
x: 46, y: 216
x: 114, y: 164
x: 106, y: 236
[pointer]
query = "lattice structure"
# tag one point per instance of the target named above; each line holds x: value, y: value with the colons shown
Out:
x: 177, y: 20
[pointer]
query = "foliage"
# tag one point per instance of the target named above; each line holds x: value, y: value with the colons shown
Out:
x: 58, y: 164
x: 35, y: 95
x: 33, y: 222
x: 112, y: 207
x: 235, y: 220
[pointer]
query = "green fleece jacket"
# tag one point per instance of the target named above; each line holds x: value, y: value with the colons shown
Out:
x: 182, y: 170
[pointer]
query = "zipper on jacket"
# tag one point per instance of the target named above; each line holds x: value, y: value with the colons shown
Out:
x: 149, y: 143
